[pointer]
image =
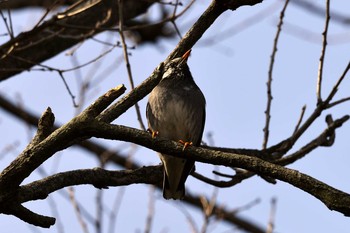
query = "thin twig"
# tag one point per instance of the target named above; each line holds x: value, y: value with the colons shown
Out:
x: 269, y: 80
x: 336, y: 86
x: 323, y: 53
x: 271, y: 224
x: 300, y: 119
x: 150, y: 214
x: 10, y: 23
x: 99, y: 205
x: 208, y: 208
x: 128, y: 67
x: 68, y: 89
x: 338, y: 102
x: 288, y: 143
x: 173, y: 19
x: 116, y: 207
x: 48, y: 10
x: 77, y: 210
x: 10, y: 33
x: 326, y: 138
x: 246, y: 206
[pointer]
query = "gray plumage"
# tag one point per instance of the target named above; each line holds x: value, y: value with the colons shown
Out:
x: 176, y: 110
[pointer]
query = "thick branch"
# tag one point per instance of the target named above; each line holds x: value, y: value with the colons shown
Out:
x: 26, y: 215
x: 216, y: 8
x: 35, y: 154
x: 31, y: 192
x: 102, y: 178
x: 19, y: 4
x: 334, y: 199
x: 98, y: 177
x: 62, y: 32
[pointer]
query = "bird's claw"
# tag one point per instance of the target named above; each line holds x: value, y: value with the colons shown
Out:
x: 186, y: 144
x: 153, y: 133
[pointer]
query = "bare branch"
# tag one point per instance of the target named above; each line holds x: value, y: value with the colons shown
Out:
x: 7, y: 24
x: 36, y: 153
x: 340, y: 201
x: 115, y: 110
x: 326, y: 138
x: 323, y: 53
x: 285, y: 145
x: 126, y: 57
x: 18, y: 4
x: 300, y: 119
x: 101, y: 151
x: 208, y: 17
x: 68, y: 89
x: 312, y: 7
x: 269, y: 80
x: 271, y: 224
x: 336, y: 86
x: 150, y: 213
x: 31, y: 46
x: 330, y: 105
x: 77, y: 210
x: 116, y: 207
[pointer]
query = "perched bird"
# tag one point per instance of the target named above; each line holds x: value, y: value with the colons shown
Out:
x: 176, y: 110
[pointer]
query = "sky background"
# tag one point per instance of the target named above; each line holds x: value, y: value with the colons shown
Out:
x: 230, y: 65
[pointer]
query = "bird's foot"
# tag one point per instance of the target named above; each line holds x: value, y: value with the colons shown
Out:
x: 153, y: 133
x: 186, y: 144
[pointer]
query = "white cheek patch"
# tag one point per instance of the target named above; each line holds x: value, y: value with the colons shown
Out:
x: 167, y: 73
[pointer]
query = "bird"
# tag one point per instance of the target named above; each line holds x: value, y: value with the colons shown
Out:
x: 176, y: 111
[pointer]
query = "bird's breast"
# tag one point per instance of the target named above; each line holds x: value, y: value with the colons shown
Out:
x: 175, y: 114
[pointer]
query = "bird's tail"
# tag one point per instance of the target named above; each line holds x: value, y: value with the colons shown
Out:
x: 176, y: 171
x: 173, y: 192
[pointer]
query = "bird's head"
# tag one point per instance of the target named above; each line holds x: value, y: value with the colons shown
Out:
x: 177, y: 66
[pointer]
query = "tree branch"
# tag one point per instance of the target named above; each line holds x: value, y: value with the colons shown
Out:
x: 30, y: 48
x: 35, y: 154
x: 19, y: 4
x: 334, y: 199
x: 97, y: 177
x: 27, y: 193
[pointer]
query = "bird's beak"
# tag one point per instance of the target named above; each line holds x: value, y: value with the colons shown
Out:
x: 185, y: 57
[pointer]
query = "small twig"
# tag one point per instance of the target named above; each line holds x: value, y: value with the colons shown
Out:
x: 10, y: 22
x: 77, y: 210
x: 116, y: 109
x: 323, y: 53
x: 330, y: 105
x: 126, y: 57
x: 99, y: 205
x: 48, y: 10
x: 10, y: 32
x: 222, y: 174
x: 92, y: 60
x: 336, y: 86
x: 208, y: 208
x: 300, y: 119
x: 150, y: 214
x: 286, y: 144
x: 271, y: 224
x: 246, y: 206
x: 173, y: 19
x: 116, y: 207
x: 326, y: 138
x: 269, y: 80
x: 68, y: 89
